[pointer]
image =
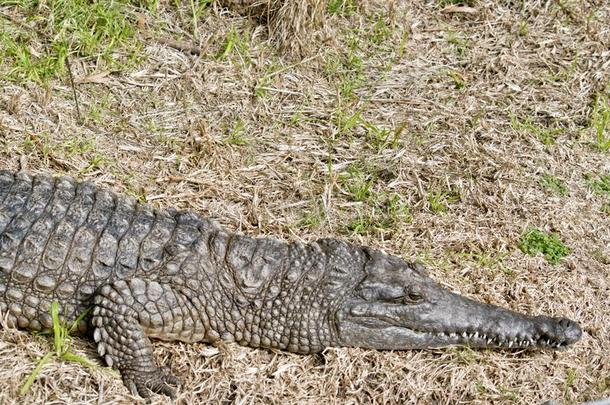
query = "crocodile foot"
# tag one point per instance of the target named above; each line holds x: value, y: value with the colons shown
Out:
x: 122, y: 312
x: 142, y: 383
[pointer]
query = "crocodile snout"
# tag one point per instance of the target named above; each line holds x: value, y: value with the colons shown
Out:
x: 570, y: 330
x: 563, y: 331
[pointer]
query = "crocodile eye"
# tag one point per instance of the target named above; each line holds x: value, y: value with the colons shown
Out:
x: 413, y: 297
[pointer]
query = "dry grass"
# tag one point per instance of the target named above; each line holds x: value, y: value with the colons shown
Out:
x: 425, y: 130
x: 295, y: 26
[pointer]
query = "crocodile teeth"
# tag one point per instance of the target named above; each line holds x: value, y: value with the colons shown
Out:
x: 510, y: 344
x: 476, y: 335
x: 489, y: 340
x: 464, y: 335
x: 453, y: 335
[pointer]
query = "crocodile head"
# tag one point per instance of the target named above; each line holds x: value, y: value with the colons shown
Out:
x: 398, y: 306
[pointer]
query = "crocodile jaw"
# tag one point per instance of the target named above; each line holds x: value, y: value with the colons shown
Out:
x: 457, y: 321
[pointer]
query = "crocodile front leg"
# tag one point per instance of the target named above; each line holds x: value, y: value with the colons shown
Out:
x: 125, y: 313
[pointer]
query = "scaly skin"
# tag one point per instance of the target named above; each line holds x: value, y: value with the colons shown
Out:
x: 177, y: 276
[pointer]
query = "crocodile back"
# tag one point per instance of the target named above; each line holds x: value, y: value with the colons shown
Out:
x: 61, y: 240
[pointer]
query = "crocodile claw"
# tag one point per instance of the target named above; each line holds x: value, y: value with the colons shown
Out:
x: 142, y: 383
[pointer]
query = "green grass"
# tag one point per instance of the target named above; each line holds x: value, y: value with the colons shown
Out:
x: 545, y: 134
x: 314, y: 218
x: 395, y: 211
x: 438, y: 201
x: 599, y: 184
x: 480, y: 388
x: 461, y: 45
x: 344, y: 67
x: 508, y: 394
x: 379, y: 139
x: 600, y: 122
x: 553, y: 185
x: 236, y: 48
x: 197, y: 7
x: 523, y: 29
x: 135, y: 190
x: 85, y: 148
x: 345, y: 122
x: 353, y: 76
x: 489, y: 260
x: 535, y: 241
x: 362, y: 225
x: 61, y: 346
x: 366, y: 56
x: 34, y: 48
x: 563, y: 73
x: 380, y: 210
x: 341, y: 7
x: 237, y: 134
x: 261, y: 86
x: 384, y: 212
x: 376, y: 138
x: 381, y: 31
x: 458, y: 80
x: 358, y: 181
x: 571, y: 377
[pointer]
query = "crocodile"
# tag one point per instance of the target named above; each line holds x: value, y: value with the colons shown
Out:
x: 146, y: 273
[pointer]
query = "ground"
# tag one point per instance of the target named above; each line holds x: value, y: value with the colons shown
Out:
x: 474, y: 137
